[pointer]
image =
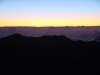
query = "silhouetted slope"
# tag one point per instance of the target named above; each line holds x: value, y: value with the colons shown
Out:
x: 48, y: 54
x: 97, y: 39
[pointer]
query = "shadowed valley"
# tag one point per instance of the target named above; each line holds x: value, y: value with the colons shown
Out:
x: 48, y: 54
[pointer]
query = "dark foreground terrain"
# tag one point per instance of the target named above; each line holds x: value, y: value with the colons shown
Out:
x: 48, y: 54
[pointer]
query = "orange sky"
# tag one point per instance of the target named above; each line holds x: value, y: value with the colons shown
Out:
x: 49, y: 21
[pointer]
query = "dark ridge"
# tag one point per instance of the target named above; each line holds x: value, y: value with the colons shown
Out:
x: 48, y: 54
x: 15, y: 36
x: 56, y: 38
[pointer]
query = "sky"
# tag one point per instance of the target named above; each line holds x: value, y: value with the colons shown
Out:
x: 44, y: 13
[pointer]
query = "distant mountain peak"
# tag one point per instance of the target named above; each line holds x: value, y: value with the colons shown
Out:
x: 15, y: 36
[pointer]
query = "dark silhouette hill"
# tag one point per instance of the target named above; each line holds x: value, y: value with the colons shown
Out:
x: 48, y: 54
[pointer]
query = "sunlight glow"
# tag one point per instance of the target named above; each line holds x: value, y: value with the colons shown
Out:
x: 44, y: 13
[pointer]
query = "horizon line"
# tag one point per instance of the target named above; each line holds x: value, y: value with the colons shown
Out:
x: 47, y: 26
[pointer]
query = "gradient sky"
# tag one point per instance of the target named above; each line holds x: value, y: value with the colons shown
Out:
x: 49, y: 13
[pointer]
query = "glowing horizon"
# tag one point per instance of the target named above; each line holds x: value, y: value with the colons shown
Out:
x: 46, y: 13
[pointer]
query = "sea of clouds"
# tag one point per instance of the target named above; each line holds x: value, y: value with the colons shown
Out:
x: 74, y: 33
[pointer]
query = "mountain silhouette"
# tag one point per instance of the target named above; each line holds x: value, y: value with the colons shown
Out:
x: 48, y: 54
